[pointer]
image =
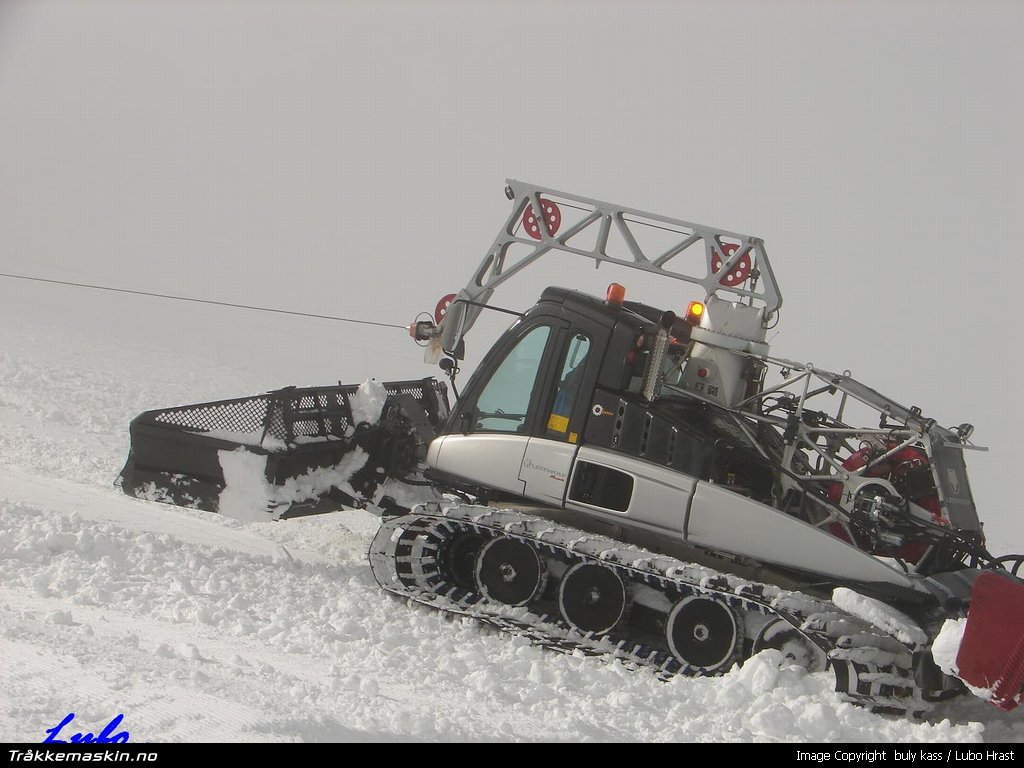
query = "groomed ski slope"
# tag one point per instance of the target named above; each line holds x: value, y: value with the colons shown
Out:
x: 198, y: 627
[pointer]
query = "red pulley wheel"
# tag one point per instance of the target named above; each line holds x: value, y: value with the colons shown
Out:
x: 740, y: 270
x: 552, y: 217
x: 442, y: 307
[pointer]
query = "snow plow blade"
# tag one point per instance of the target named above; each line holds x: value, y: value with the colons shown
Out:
x: 286, y: 453
x: 991, y: 654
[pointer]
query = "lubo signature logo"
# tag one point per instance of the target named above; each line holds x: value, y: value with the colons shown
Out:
x: 106, y: 736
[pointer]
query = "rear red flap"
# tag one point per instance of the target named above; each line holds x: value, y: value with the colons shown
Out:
x: 991, y: 654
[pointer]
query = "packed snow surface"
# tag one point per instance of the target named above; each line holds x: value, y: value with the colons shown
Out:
x: 201, y: 627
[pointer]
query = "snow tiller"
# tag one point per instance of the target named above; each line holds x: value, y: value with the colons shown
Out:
x: 621, y: 479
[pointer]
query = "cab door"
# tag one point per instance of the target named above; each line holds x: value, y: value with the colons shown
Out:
x: 552, y: 448
x: 498, y: 414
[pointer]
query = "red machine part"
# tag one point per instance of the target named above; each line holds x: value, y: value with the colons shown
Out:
x: 552, y: 217
x: 991, y: 654
x: 442, y: 307
x: 740, y: 270
x: 895, y: 466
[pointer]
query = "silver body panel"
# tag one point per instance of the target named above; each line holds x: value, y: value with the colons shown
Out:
x: 491, y: 460
x: 723, y: 520
x: 676, y: 505
x: 545, y: 470
x: 660, y: 500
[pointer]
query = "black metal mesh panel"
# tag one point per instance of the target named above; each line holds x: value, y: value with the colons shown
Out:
x: 276, y: 422
x: 321, y: 412
x: 247, y: 415
x: 287, y: 414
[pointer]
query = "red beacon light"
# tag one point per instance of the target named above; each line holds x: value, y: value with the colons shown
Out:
x: 616, y: 295
x: 694, y: 312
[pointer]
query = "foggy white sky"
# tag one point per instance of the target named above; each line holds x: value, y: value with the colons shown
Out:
x: 349, y: 158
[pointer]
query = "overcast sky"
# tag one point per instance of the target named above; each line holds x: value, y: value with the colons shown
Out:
x: 349, y: 158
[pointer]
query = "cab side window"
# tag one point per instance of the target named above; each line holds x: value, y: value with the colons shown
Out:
x: 569, y: 381
x: 505, y: 400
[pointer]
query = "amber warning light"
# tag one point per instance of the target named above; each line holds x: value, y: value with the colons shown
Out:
x: 616, y: 295
x: 694, y: 312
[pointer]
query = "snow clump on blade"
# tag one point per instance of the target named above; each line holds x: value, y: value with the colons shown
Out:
x: 368, y: 402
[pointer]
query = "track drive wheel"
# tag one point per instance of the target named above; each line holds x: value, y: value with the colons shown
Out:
x: 458, y: 559
x: 704, y: 634
x: 509, y: 571
x: 592, y: 598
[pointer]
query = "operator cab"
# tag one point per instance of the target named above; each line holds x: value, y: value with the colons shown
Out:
x: 535, y: 386
x: 570, y: 374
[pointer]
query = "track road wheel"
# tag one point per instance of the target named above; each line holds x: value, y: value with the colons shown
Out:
x: 592, y: 598
x: 704, y: 634
x: 795, y: 648
x: 509, y: 572
x: 458, y: 562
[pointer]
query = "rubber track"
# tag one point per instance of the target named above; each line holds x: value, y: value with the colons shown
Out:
x: 871, y: 667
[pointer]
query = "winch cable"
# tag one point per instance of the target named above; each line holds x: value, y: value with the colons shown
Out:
x: 202, y: 301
